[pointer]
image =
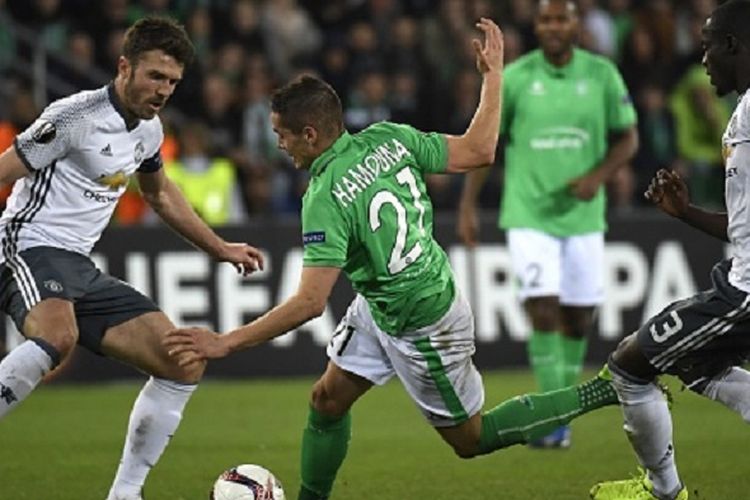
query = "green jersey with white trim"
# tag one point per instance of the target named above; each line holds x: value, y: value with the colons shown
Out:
x: 366, y: 211
x: 556, y: 121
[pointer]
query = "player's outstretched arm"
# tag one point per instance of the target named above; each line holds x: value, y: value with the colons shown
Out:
x: 189, y: 345
x: 669, y: 192
x: 476, y: 147
x: 169, y: 203
x: 11, y: 167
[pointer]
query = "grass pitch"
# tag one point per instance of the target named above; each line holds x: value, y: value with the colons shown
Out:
x: 64, y: 443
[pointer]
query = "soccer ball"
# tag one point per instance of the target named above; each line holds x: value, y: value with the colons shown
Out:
x: 247, y: 482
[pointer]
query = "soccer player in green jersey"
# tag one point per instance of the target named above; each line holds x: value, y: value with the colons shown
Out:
x: 366, y: 212
x: 567, y: 124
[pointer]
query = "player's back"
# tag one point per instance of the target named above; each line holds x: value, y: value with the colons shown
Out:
x: 370, y: 189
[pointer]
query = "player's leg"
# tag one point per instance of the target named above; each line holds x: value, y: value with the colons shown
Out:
x: 731, y: 388
x: 37, y: 293
x: 325, y: 440
x: 357, y: 361
x: 158, y: 409
x: 436, y: 369
x: 582, y: 290
x: 536, y: 259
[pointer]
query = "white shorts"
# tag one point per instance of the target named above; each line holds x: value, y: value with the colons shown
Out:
x: 571, y: 268
x: 434, y: 363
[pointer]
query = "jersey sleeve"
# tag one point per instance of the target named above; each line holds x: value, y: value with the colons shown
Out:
x: 153, y: 161
x: 620, y: 111
x: 50, y: 137
x: 325, y: 234
x: 430, y: 149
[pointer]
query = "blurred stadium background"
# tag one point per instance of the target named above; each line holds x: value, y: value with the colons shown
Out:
x: 401, y: 60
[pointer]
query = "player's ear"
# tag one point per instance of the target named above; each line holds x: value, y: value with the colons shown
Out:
x: 732, y: 44
x: 123, y: 66
x: 310, y: 134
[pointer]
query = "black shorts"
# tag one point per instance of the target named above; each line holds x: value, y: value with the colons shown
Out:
x: 699, y: 337
x: 100, y: 301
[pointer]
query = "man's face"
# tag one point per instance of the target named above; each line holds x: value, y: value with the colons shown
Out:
x: 718, y: 59
x: 556, y: 26
x: 149, y: 83
x: 295, y: 145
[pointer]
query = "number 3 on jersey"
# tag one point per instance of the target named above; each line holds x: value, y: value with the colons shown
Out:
x: 399, y: 259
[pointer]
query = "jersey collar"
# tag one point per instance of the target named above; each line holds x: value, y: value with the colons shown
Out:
x: 327, y: 156
x: 560, y: 71
x: 130, y: 123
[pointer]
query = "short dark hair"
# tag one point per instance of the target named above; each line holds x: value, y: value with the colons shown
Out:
x: 158, y: 33
x: 308, y: 100
x: 732, y: 18
x: 570, y: 4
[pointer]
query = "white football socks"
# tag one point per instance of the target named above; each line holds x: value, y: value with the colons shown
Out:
x: 732, y: 388
x: 156, y: 414
x: 20, y: 372
x: 648, y: 425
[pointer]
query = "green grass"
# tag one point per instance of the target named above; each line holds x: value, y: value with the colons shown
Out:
x: 64, y: 443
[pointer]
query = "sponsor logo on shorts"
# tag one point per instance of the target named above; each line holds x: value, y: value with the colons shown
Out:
x: 53, y: 286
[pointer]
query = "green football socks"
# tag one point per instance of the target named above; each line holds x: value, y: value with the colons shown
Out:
x: 546, y: 360
x: 324, y: 445
x: 573, y: 353
x: 533, y: 416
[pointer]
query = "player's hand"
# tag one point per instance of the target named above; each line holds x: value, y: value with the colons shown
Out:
x: 191, y: 345
x: 467, y: 227
x: 669, y: 192
x: 585, y: 187
x: 246, y: 259
x: 490, y: 56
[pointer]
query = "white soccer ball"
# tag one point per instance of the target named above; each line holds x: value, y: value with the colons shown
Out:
x: 247, y: 482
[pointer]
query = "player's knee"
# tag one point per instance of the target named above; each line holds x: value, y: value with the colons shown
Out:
x: 466, y: 451
x: 190, y: 374
x: 62, y: 341
x: 325, y: 401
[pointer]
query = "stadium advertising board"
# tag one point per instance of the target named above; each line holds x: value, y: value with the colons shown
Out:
x: 650, y: 261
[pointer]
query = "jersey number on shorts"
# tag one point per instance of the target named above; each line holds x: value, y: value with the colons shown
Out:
x: 399, y: 259
x: 669, y: 330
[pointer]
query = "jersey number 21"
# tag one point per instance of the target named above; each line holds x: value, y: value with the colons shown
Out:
x: 399, y: 258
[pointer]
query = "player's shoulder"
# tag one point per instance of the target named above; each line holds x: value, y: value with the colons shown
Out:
x: 83, y: 105
x: 596, y: 63
x: 384, y: 129
x: 527, y: 63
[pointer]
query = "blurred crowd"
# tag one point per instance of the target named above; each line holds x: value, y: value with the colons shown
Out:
x: 409, y: 61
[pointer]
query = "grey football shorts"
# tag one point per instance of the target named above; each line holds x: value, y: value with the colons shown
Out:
x: 100, y: 301
x: 699, y: 337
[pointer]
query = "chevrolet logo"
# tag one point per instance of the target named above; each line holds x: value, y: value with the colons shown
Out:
x: 114, y: 181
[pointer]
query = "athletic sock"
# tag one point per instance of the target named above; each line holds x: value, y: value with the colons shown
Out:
x: 532, y: 416
x: 546, y: 360
x: 732, y: 389
x: 648, y: 426
x: 22, y: 369
x: 573, y: 353
x: 325, y: 442
x: 154, y: 419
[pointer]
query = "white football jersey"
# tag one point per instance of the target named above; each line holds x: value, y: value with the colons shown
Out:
x: 80, y: 154
x: 736, y: 152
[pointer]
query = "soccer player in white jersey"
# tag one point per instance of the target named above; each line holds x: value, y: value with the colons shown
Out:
x: 704, y: 339
x: 70, y: 168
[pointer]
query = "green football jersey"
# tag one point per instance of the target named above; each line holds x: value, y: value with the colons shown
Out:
x: 556, y: 123
x: 367, y: 211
